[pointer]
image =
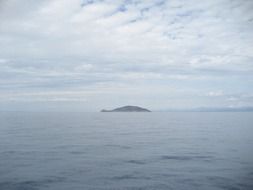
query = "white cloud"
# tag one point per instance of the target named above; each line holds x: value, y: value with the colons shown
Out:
x: 67, y: 45
x: 215, y: 93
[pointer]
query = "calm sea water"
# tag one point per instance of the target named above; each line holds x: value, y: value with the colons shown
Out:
x: 128, y: 151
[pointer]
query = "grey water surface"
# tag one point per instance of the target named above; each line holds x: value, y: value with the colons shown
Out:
x: 128, y: 151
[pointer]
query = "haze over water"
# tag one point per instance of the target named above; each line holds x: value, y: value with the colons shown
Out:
x: 128, y: 151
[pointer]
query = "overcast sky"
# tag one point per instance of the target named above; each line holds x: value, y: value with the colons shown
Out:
x: 93, y: 54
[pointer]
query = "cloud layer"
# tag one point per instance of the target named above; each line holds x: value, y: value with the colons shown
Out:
x: 95, y: 54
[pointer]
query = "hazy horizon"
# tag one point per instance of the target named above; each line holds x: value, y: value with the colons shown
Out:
x: 91, y: 55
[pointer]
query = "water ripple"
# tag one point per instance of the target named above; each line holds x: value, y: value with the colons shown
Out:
x: 186, y: 158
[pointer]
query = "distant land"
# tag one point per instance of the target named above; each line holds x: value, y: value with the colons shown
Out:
x: 127, y: 109
x: 211, y: 109
x: 225, y: 109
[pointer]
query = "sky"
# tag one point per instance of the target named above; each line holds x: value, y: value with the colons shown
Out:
x: 88, y: 55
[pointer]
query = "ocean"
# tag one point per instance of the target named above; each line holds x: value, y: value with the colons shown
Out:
x: 126, y: 151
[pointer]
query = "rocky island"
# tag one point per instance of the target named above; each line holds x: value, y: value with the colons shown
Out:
x: 127, y: 109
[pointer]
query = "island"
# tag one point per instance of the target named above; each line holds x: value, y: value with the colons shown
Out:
x: 127, y: 109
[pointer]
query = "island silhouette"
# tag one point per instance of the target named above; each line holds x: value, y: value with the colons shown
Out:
x: 127, y: 109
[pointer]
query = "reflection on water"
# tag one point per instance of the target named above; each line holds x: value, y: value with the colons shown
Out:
x: 126, y: 151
